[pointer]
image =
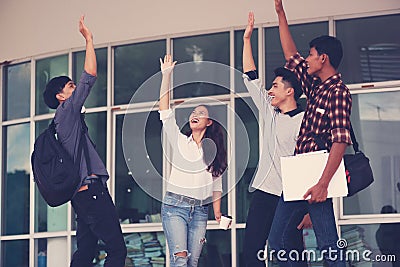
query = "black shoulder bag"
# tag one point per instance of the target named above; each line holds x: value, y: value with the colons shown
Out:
x: 358, y: 169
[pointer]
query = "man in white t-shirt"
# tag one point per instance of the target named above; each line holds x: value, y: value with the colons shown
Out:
x: 280, y: 119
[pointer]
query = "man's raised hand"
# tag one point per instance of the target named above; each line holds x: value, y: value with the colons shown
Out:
x: 250, y: 26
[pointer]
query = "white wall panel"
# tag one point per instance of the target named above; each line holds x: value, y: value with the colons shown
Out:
x: 30, y: 28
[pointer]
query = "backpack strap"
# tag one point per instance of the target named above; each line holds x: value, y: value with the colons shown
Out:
x: 53, y: 131
x: 85, y: 145
x: 320, y: 143
x: 81, y: 146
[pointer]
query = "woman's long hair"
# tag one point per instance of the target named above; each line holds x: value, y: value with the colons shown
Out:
x: 216, y: 161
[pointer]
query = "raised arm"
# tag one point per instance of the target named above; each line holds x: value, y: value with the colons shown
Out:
x: 287, y: 43
x: 166, y: 68
x: 90, y: 57
x: 248, y: 60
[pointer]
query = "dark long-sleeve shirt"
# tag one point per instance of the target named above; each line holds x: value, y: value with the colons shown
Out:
x: 68, y: 127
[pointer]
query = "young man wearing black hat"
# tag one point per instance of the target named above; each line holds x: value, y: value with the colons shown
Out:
x: 96, y: 214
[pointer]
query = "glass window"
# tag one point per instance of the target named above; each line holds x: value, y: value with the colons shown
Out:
x: 15, y: 195
x: 247, y: 153
x: 98, y: 95
x: 371, y: 50
x: 51, y: 252
x: 17, y: 88
x: 97, y: 124
x: 210, y: 47
x: 239, y: 247
x: 15, y: 253
x: 134, y: 64
x: 217, y: 251
x: 46, y: 69
x: 48, y: 219
x: 377, y: 243
x: 302, y: 35
x: 375, y: 122
x: 239, y: 85
x: 138, y: 185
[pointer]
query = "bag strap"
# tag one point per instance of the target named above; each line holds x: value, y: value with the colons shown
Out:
x: 80, y: 146
x: 85, y: 145
x: 320, y: 143
x: 354, y: 140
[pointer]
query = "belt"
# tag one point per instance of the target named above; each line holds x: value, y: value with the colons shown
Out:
x: 189, y: 200
x: 90, y: 180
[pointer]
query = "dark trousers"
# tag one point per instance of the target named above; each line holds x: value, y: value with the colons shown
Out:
x: 259, y: 220
x: 97, y: 219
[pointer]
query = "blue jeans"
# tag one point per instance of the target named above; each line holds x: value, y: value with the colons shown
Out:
x: 185, y: 228
x: 287, y: 216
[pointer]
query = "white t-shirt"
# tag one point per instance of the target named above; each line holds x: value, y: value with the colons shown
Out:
x: 279, y: 136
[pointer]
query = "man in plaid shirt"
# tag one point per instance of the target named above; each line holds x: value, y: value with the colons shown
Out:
x: 327, y: 116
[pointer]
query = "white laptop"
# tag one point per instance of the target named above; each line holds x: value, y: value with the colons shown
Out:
x: 301, y: 172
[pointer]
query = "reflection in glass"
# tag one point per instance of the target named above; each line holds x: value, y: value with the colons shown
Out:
x: 14, y: 253
x: 15, y: 185
x: 51, y: 252
x: 371, y: 50
x: 46, y: 69
x: 376, y: 122
x: 373, y: 242
x: 17, y: 86
x: 239, y: 247
x: 142, y: 148
x: 134, y: 64
x: 210, y: 47
x: 302, y: 35
x: 248, y: 114
x: 239, y: 85
x: 97, y: 125
x: 217, y: 251
x: 144, y: 249
x: 98, y: 95
x: 48, y: 219
x: 388, y: 235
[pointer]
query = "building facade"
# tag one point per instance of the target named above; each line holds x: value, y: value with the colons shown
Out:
x: 123, y: 120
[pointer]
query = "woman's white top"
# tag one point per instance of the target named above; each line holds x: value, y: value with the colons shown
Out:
x: 189, y: 175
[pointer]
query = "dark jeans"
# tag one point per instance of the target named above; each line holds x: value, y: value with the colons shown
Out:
x: 258, y: 224
x: 288, y: 215
x: 97, y: 219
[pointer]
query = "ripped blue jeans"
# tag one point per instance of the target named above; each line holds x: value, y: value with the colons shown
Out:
x: 184, y: 228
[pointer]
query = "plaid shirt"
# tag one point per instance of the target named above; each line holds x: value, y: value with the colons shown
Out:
x: 328, y: 109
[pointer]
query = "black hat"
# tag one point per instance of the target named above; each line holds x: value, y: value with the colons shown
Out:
x: 53, y: 87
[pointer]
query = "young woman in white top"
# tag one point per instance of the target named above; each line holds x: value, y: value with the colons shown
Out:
x: 198, y: 162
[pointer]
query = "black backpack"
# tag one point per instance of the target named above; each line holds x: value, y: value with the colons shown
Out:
x: 54, y: 171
